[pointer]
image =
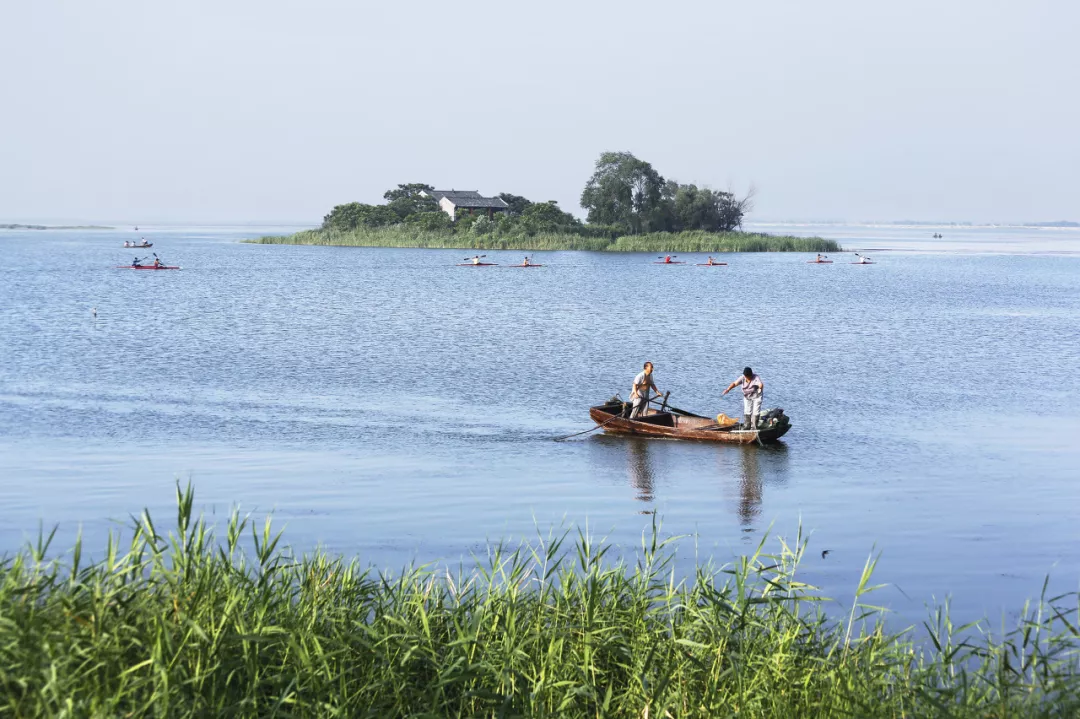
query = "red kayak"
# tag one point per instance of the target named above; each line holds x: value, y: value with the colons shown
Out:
x: 819, y: 262
x: 146, y: 267
x: 478, y: 264
x: 680, y: 262
x: 712, y: 264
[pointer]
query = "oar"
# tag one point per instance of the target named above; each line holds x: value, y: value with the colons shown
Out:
x: 469, y: 259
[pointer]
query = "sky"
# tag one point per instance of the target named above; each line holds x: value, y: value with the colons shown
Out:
x: 277, y: 110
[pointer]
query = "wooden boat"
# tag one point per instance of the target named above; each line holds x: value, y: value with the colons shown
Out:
x: 672, y: 423
x: 139, y: 247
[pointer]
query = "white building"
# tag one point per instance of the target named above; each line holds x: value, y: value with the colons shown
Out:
x: 451, y: 200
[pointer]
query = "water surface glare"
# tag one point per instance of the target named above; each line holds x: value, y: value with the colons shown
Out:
x: 389, y: 404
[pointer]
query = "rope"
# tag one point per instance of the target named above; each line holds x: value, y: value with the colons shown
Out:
x: 575, y: 434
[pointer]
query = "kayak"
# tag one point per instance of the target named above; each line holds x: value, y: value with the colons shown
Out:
x: 819, y: 262
x: 714, y: 264
x: 146, y: 267
x: 863, y: 263
x: 680, y: 262
x: 138, y: 247
x: 478, y: 264
x: 524, y: 265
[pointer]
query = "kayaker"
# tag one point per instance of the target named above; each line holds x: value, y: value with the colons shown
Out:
x: 135, y: 262
x: 753, y: 390
x: 711, y: 261
x: 525, y: 263
x: 667, y: 260
x: 476, y: 260
x: 818, y: 258
x: 157, y: 263
x: 639, y: 394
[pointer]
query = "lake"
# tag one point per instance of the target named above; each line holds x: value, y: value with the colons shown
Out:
x: 388, y: 404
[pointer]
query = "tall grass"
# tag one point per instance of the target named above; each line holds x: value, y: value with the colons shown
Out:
x: 186, y: 625
x: 405, y: 236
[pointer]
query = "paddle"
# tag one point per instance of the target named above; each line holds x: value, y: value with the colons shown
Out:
x: 470, y: 259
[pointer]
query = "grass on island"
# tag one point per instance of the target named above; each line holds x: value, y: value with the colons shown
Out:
x: 189, y: 625
x: 697, y: 241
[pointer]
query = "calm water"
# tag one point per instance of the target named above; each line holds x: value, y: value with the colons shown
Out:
x: 388, y: 404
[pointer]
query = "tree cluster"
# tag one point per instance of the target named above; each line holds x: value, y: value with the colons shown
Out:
x: 408, y: 204
x: 628, y: 193
x: 625, y: 195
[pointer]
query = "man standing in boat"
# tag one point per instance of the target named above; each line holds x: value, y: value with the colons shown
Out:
x: 753, y: 389
x: 640, y: 392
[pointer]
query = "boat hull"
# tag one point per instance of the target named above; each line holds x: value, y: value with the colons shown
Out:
x: 682, y: 426
x: 138, y: 247
x: 145, y: 267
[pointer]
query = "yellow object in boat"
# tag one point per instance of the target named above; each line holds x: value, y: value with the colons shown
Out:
x: 724, y: 421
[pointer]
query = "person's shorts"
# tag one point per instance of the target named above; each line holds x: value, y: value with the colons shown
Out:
x: 751, y: 406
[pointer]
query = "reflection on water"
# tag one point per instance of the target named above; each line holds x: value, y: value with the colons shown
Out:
x: 641, y: 472
x: 749, y: 486
x: 745, y: 471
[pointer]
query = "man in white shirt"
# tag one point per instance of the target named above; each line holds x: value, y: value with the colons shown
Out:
x: 640, y: 393
x: 753, y: 389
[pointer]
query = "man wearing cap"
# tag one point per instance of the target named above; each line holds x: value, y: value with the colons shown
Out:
x: 752, y: 389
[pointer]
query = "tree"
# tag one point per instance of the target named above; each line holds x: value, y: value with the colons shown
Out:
x: 547, y: 217
x: 410, y: 199
x: 518, y: 204
x: 410, y: 191
x: 430, y: 221
x: 624, y: 191
x: 697, y: 208
x: 357, y: 214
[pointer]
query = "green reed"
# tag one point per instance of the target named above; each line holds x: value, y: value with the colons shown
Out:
x: 189, y: 624
x: 405, y: 236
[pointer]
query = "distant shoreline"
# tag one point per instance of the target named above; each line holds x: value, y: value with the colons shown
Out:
x: 55, y: 227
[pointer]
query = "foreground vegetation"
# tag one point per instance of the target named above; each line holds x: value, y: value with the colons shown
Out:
x: 185, y: 625
x: 696, y: 241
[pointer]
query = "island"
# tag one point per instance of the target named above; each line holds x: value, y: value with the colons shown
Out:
x: 631, y: 208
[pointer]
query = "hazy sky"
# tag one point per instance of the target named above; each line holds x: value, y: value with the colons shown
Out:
x: 276, y: 110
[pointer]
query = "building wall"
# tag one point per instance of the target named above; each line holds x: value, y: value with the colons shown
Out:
x: 448, y: 207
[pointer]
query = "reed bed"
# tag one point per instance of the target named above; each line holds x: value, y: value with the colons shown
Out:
x: 405, y: 236
x: 191, y: 625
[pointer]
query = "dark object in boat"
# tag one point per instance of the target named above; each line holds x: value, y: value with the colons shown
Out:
x: 674, y: 423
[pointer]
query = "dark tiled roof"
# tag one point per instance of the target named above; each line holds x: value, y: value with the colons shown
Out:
x: 469, y: 198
